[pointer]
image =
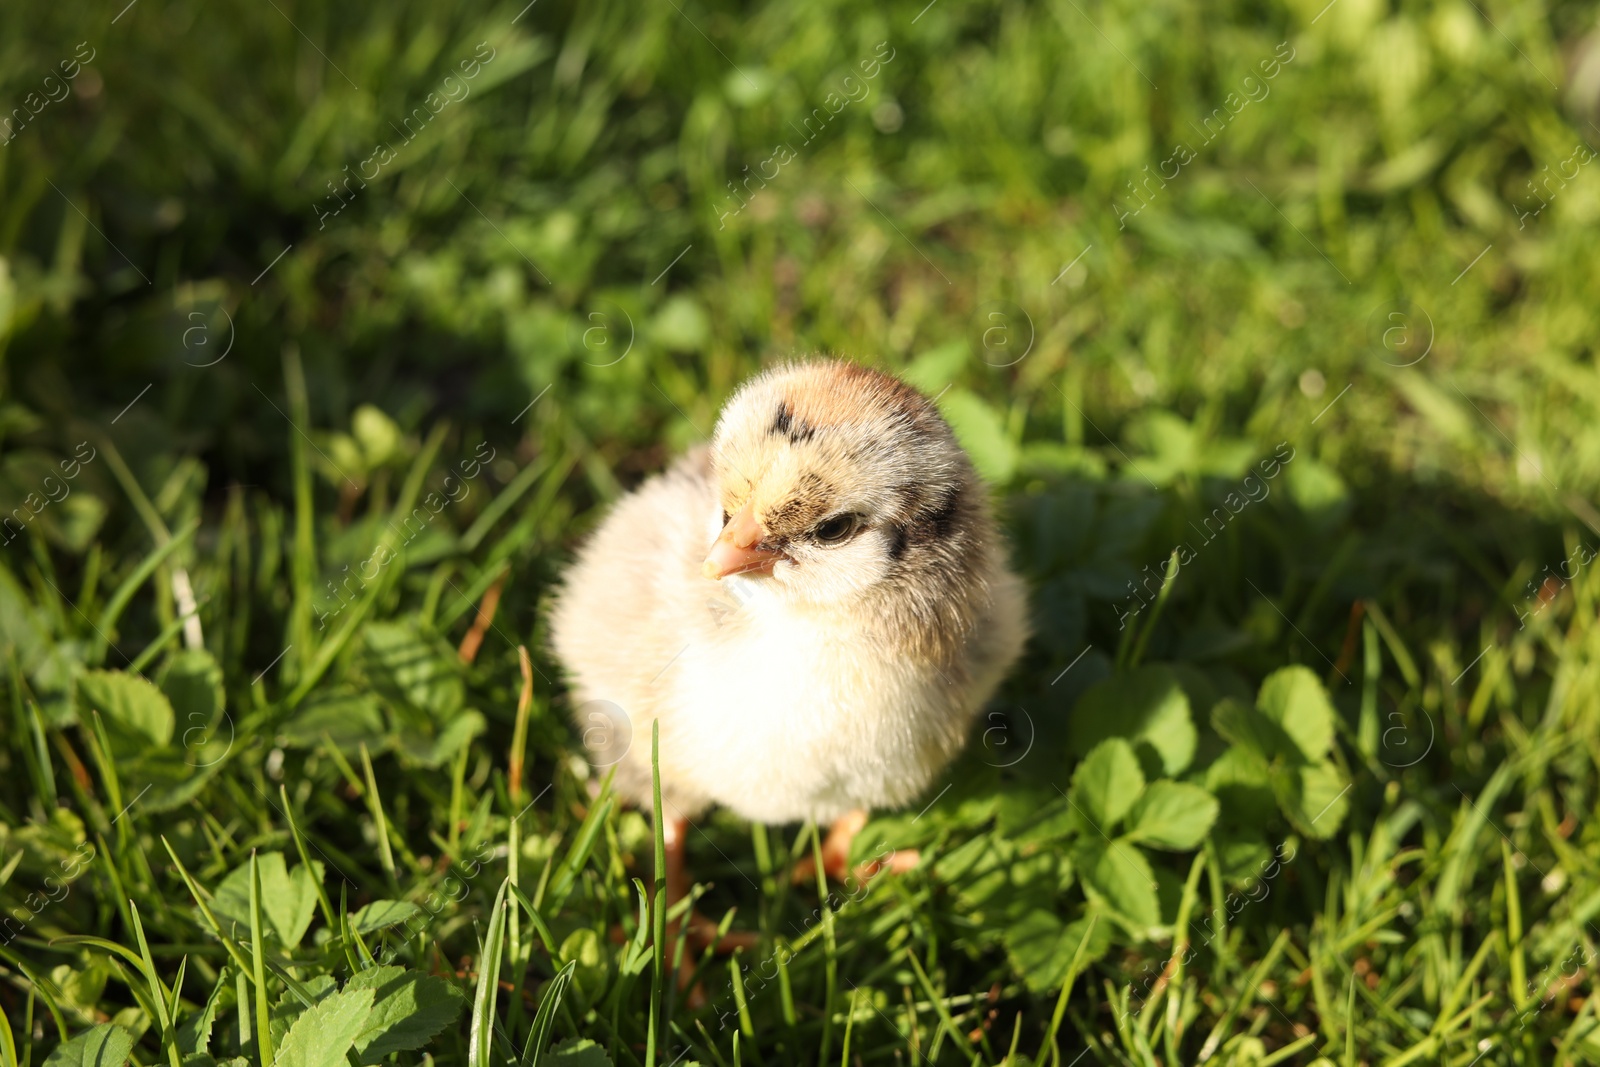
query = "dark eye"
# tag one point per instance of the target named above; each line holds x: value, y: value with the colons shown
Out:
x: 837, y: 529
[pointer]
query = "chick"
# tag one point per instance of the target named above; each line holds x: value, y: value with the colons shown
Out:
x: 814, y: 609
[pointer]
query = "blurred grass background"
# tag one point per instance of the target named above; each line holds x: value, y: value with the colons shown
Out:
x: 1381, y: 256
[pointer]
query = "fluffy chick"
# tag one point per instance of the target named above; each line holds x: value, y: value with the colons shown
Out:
x: 815, y: 609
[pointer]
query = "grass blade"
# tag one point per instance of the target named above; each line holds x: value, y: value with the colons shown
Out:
x: 161, y: 997
x: 519, y: 743
x: 481, y: 1037
x: 578, y: 854
x: 830, y: 948
x: 375, y: 806
x: 502, y: 503
x: 1168, y: 577
x: 1519, y: 967
x: 539, y: 924
x: 303, y: 559
x: 210, y: 916
x: 658, y: 901
x: 305, y: 858
x: 130, y: 585
x: 1066, y: 987
x: 8, y: 1043
x: 258, y: 968
x: 544, y: 1019
x: 41, y: 754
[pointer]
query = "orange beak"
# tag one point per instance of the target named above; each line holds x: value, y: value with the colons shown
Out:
x: 737, y: 551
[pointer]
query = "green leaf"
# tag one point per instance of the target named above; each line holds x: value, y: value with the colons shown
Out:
x: 70, y: 521
x: 1241, y: 781
x: 971, y: 859
x: 433, y: 747
x: 105, y: 1045
x: 1036, y: 945
x: 1100, y: 937
x: 24, y: 632
x: 137, y: 714
x: 1281, y: 743
x: 1117, y: 873
x: 192, y: 683
x: 1165, y: 446
x: 1040, y: 946
x: 1173, y: 815
x: 1249, y: 730
x: 1000, y: 883
x: 194, y: 1033
x: 410, y: 666
x: 1020, y: 806
x: 175, y: 776
x: 1242, y: 853
x: 346, y: 719
x: 290, y: 1007
x: 380, y: 438
x: 1026, y: 814
x: 381, y: 914
x: 1317, y: 489
x: 338, y: 453
x: 1107, y: 783
x: 680, y: 326
x: 583, y: 947
x: 287, y: 898
x: 578, y: 1052
x: 82, y: 988
x: 1313, y: 797
x: 936, y: 368
x: 322, y: 1035
x: 982, y: 433
x: 75, y: 523
x: 1294, y: 699
x: 409, y: 1009
x: 1147, y: 706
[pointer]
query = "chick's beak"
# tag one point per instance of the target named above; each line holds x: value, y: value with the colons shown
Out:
x: 738, y: 550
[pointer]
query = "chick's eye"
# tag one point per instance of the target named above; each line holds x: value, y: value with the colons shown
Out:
x: 836, y: 529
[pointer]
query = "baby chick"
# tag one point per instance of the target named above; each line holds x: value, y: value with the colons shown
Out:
x: 815, y: 610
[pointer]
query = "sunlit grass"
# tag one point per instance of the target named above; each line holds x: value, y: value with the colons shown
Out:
x: 309, y: 482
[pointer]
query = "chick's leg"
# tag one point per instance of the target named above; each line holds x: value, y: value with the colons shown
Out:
x: 836, y: 854
x: 836, y: 846
x: 702, y: 931
x: 674, y: 835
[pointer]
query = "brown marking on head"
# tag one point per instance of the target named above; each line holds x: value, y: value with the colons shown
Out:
x: 930, y: 523
x: 837, y: 393
x: 826, y: 445
x: 784, y: 425
x: 809, y: 503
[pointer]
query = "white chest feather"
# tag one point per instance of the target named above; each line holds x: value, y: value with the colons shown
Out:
x: 793, y: 715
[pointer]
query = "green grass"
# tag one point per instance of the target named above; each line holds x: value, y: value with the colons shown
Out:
x: 315, y: 833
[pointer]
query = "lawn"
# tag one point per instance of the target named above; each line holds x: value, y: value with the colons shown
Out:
x: 329, y: 330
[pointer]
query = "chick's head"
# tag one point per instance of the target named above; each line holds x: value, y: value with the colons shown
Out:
x: 835, y: 479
